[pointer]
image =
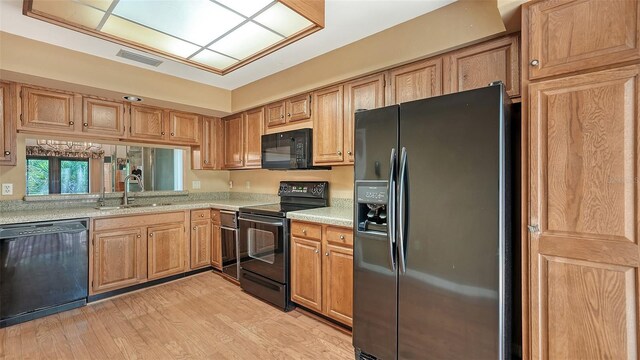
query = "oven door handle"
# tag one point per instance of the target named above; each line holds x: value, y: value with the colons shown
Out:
x: 274, y: 223
x: 228, y: 228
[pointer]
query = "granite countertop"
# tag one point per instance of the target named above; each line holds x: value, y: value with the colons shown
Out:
x: 339, y: 216
x: 25, y: 216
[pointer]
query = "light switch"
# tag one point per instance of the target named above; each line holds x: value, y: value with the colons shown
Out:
x: 195, y: 184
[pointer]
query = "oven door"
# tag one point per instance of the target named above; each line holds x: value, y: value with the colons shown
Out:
x: 262, y: 240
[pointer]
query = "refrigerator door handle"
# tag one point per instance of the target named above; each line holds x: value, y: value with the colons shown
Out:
x: 402, y: 211
x: 391, y: 208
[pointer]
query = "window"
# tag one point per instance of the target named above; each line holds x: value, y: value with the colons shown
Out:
x: 53, y: 175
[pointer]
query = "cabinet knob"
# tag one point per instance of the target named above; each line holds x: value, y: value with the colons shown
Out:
x: 214, y: 215
x: 71, y: 123
x: 317, y: 251
x: 85, y: 125
x: 194, y: 228
x: 7, y: 153
x: 339, y: 152
x: 206, y: 161
x: 150, y: 234
x: 289, y: 114
x: 326, y: 254
x: 304, y: 231
x: 172, y: 134
x: 350, y: 152
x: 162, y: 133
x: 201, y: 215
x: 282, y: 116
x: 535, y: 62
x: 138, y: 235
x: 341, y: 237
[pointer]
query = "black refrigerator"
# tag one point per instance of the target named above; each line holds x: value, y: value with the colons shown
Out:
x: 432, y: 223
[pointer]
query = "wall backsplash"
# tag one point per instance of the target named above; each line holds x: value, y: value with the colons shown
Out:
x: 340, y: 180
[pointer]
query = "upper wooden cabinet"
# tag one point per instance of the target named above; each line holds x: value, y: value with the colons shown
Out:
x: 167, y: 250
x: 328, y: 126
x: 211, y: 143
x: 415, y: 81
x: 147, y: 123
x: 233, y: 130
x: 476, y: 66
x: 573, y: 35
x: 119, y: 259
x: 287, y: 114
x: 184, y: 127
x: 50, y: 110
x: 253, y: 122
x: 103, y: 117
x: 7, y: 124
x: 362, y: 94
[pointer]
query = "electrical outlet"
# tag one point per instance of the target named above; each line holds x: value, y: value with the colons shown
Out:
x: 247, y: 184
x: 230, y: 184
x: 7, y: 189
x: 195, y: 184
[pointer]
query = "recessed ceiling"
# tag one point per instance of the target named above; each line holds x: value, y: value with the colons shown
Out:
x: 346, y: 21
x: 214, y: 35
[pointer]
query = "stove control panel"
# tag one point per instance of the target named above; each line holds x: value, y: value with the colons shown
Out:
x: 314, y: 189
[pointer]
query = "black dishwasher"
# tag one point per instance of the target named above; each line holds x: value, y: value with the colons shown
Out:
x: 43, y: 269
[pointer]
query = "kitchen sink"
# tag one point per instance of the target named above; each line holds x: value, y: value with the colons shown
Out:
x: 107, y: 208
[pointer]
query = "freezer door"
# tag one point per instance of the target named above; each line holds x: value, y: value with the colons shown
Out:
x: 451, y: 298
x: 375, y: 279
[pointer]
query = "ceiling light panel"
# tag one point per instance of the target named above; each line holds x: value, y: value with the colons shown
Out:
x: 216, y: 35
x: 283, y: 20
x: 196, y: 21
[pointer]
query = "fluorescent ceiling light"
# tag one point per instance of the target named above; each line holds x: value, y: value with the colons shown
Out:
x: 215, y: 35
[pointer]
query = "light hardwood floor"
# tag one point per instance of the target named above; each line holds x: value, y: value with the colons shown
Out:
x: 202, y: 316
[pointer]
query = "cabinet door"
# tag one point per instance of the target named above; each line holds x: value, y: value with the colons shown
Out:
x: 328, y: 126
x: 477, y: 66
x: 206, y: 144
x: 275, y: 114
x: 306, y: 273
x: 367, y: 93
x: 7, y: 124
x: 49, y: 110
x: 119, y: 259
x: 298, y: 108
x: 184, y: 127
x: 167, y: 255
x: 253, y: 121
x: 216, y: 247
x: 103, y: 117
x: 415, y: 81
x: 572, y: 35
x: 233, y: 141
x: 200, y: 243
x: 147, y: 123
x: 338, y: 283
x: 584, y: 253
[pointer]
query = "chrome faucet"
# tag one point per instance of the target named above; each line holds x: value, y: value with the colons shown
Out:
x: 125, y: 199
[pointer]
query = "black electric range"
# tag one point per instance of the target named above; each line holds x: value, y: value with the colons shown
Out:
x: 264, y: 240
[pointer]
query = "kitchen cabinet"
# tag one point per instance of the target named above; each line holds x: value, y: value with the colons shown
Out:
x: 200, y: 238
x: 568, y: 36
x: 103, y: 117
x: 322, y: 269
x: 166, y: 250
x: 216, y: 240
x: 328, y: 126
x: 128, y: 250
x: 415, y: 81
x: 233, y: 130
x: 49, y: 110
x: 253, y: 123
x: 477, y: 66
x: 366, y: 93
x: 211, y: 143
x: 120, y: 259
x: 184, y: 127
x: 294, y: 112
x: 7, y: 123
x: 147, y: 123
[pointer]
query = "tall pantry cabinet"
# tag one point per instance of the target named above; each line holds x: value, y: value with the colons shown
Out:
x: 580, y: 98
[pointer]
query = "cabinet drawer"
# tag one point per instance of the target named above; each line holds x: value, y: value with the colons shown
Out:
x: 200, y: 214
x: 127, y: 222
x: 340, y: 235
x: 215, y: 216
x: 306, y: 230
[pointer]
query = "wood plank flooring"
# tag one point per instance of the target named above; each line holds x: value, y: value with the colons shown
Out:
x: 200, y: 317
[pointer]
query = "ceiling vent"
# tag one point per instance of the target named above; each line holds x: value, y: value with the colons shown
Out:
x: 139, y: 58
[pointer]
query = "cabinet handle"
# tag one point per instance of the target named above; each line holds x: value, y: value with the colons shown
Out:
x: 162, y: 133
x: 71, y: 123
x: 172, y: 134
x: 138, y: 235
x: 535, y: 62
x: 317, y: 251
x: 350, y: 152
x: 150, y: 234
x: 326, y: 254
x: 304, y: 231
x: 85, y: 125
x: 282, y: 116
x: 339, y: 152
x: 201, y: 215
x: 341, y: 237
x: 289, y: 114
x: 194, y: 228
x: 7, y: 153
x: 206, y: 161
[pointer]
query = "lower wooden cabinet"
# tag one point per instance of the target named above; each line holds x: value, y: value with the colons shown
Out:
x: 216, y: 247
x: 119, y: 259
x: 166, y: 251
x: 200, y: 243
x: 322, y: 270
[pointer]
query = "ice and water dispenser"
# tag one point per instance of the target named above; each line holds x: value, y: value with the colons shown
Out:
x: 371, y: 212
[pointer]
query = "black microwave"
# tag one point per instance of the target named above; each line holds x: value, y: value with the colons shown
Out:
x: 288, y: 150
